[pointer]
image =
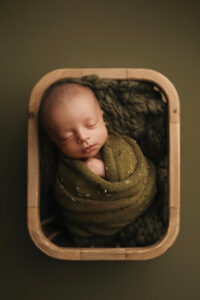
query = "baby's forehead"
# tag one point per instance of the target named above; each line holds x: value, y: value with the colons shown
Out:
x: 70, y: 90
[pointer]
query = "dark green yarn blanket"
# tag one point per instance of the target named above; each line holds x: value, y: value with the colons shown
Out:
x: 92, y: 205
x: 135, y: 108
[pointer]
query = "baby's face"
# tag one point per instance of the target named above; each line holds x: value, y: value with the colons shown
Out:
x: 77, y: 127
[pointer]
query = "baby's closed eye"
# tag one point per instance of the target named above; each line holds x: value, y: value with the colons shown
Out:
x: 67, y: 138
x: 91, y: 124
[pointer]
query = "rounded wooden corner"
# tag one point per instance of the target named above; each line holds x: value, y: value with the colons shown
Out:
x: 164, y: 84
x: 43, y: 243
x: 160, y: 247
x: 45, y: 81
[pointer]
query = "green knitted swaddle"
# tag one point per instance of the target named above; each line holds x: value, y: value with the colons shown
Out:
x: 89, y: 204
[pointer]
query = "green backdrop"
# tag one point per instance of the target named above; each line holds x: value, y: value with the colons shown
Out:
x: 40, y: 36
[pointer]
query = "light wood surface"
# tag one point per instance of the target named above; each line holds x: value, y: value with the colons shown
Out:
x: 33, y: 185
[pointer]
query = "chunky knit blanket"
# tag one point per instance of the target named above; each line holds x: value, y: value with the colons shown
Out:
x: 91, y: 205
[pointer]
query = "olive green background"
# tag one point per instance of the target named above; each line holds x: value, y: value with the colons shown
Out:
x: 37, y: 37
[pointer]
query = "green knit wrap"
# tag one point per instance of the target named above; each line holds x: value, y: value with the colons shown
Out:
x: 90, y: 204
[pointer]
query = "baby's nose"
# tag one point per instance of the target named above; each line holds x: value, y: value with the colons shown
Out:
x: 82, y: 136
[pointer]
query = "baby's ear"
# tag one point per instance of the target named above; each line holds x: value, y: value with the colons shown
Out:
x: 101, y: 112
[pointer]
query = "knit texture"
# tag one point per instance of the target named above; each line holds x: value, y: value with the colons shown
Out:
x: 90, y: 204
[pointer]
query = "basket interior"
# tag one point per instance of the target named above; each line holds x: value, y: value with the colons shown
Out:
x: 135, y: 108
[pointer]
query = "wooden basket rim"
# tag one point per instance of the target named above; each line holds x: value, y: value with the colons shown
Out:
x: 33, y: 218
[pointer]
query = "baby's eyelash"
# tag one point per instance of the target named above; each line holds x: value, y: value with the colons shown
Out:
x: 68, y: 138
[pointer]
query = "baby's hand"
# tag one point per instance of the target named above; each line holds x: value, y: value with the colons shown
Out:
x: 96, y: 166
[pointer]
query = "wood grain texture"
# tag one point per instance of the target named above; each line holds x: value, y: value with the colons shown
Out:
x: 107, y: 73
x: 33, y: 201
x: 33, y: 184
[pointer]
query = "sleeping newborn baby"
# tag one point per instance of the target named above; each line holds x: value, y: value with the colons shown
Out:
x: 103, y: 181
x: 74, y: 121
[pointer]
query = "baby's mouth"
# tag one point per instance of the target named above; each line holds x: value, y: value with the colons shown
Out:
x: 89, y: 149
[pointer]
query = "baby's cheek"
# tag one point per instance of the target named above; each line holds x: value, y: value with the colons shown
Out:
x: 102, y: 133
x: 64, y: 148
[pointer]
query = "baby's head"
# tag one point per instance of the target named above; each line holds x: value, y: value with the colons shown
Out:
x: 73, y: 120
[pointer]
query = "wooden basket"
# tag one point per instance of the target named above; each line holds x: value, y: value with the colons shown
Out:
x: 35, y: 225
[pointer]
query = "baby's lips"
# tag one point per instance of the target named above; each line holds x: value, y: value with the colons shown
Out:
x: 90, y: 148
